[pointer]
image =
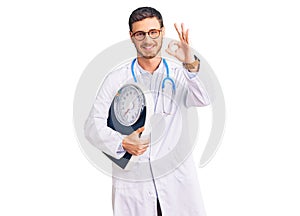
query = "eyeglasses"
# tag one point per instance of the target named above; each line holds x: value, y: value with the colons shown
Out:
x: 140, y: 35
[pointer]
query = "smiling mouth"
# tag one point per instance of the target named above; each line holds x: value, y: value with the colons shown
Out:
x: 148, y: 47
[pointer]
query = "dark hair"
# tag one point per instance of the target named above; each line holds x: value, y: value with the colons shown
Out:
x: 143, y: 13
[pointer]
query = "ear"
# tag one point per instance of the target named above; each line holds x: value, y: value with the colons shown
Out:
x: 163, y: 31
x: 130, y: 35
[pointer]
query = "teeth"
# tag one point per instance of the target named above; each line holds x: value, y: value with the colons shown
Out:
x: 148, y: 47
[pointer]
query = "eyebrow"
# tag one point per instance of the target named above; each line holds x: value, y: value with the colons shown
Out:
x: 148, y: 30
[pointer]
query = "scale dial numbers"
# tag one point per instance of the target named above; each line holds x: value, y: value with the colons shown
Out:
x: 128, y: 104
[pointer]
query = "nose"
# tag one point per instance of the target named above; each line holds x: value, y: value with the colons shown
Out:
x: 147, y: 38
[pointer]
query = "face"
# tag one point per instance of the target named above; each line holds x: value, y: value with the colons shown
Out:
x: 148, y: 47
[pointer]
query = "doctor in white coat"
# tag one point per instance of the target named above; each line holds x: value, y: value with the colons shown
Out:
x: 164, y: 180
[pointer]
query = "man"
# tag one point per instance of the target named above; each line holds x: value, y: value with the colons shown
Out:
x: 164, y: 180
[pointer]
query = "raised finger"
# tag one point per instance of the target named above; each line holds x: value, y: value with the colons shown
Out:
x: 178, y: 31
x: 187, y: 36
x: 185, y: 33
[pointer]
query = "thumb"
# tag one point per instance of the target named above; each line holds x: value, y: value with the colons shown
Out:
x: 172, y: 47
x: 170, y: 52
x: 140, y: 130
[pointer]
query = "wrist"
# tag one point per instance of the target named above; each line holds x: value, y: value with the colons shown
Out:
x: 192, y: 66
x: 189, y: 58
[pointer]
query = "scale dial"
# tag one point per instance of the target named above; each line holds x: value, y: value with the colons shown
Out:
x: 128, y: 104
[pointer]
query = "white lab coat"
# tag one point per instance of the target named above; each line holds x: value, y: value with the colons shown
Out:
x: 166, y: 170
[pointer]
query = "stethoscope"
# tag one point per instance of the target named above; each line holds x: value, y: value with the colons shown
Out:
x: 165, y: 80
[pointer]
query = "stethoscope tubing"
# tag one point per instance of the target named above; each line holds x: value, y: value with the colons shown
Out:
x: 164, y: 80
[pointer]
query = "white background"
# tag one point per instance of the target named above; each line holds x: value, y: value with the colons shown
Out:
x: 253, y: 47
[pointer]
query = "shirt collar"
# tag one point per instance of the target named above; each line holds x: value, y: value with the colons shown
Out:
x: 144, y: 72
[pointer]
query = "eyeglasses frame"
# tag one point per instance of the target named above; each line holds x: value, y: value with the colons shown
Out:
x: 146, y: 33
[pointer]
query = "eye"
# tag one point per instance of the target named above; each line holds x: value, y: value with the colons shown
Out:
x: 153, y: 32
x: 139, y: 34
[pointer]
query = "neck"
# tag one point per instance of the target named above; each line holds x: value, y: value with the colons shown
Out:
x: 149, y: 65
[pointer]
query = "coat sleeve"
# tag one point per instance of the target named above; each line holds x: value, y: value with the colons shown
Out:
x: 196, y: 93
x: 96, y: 130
